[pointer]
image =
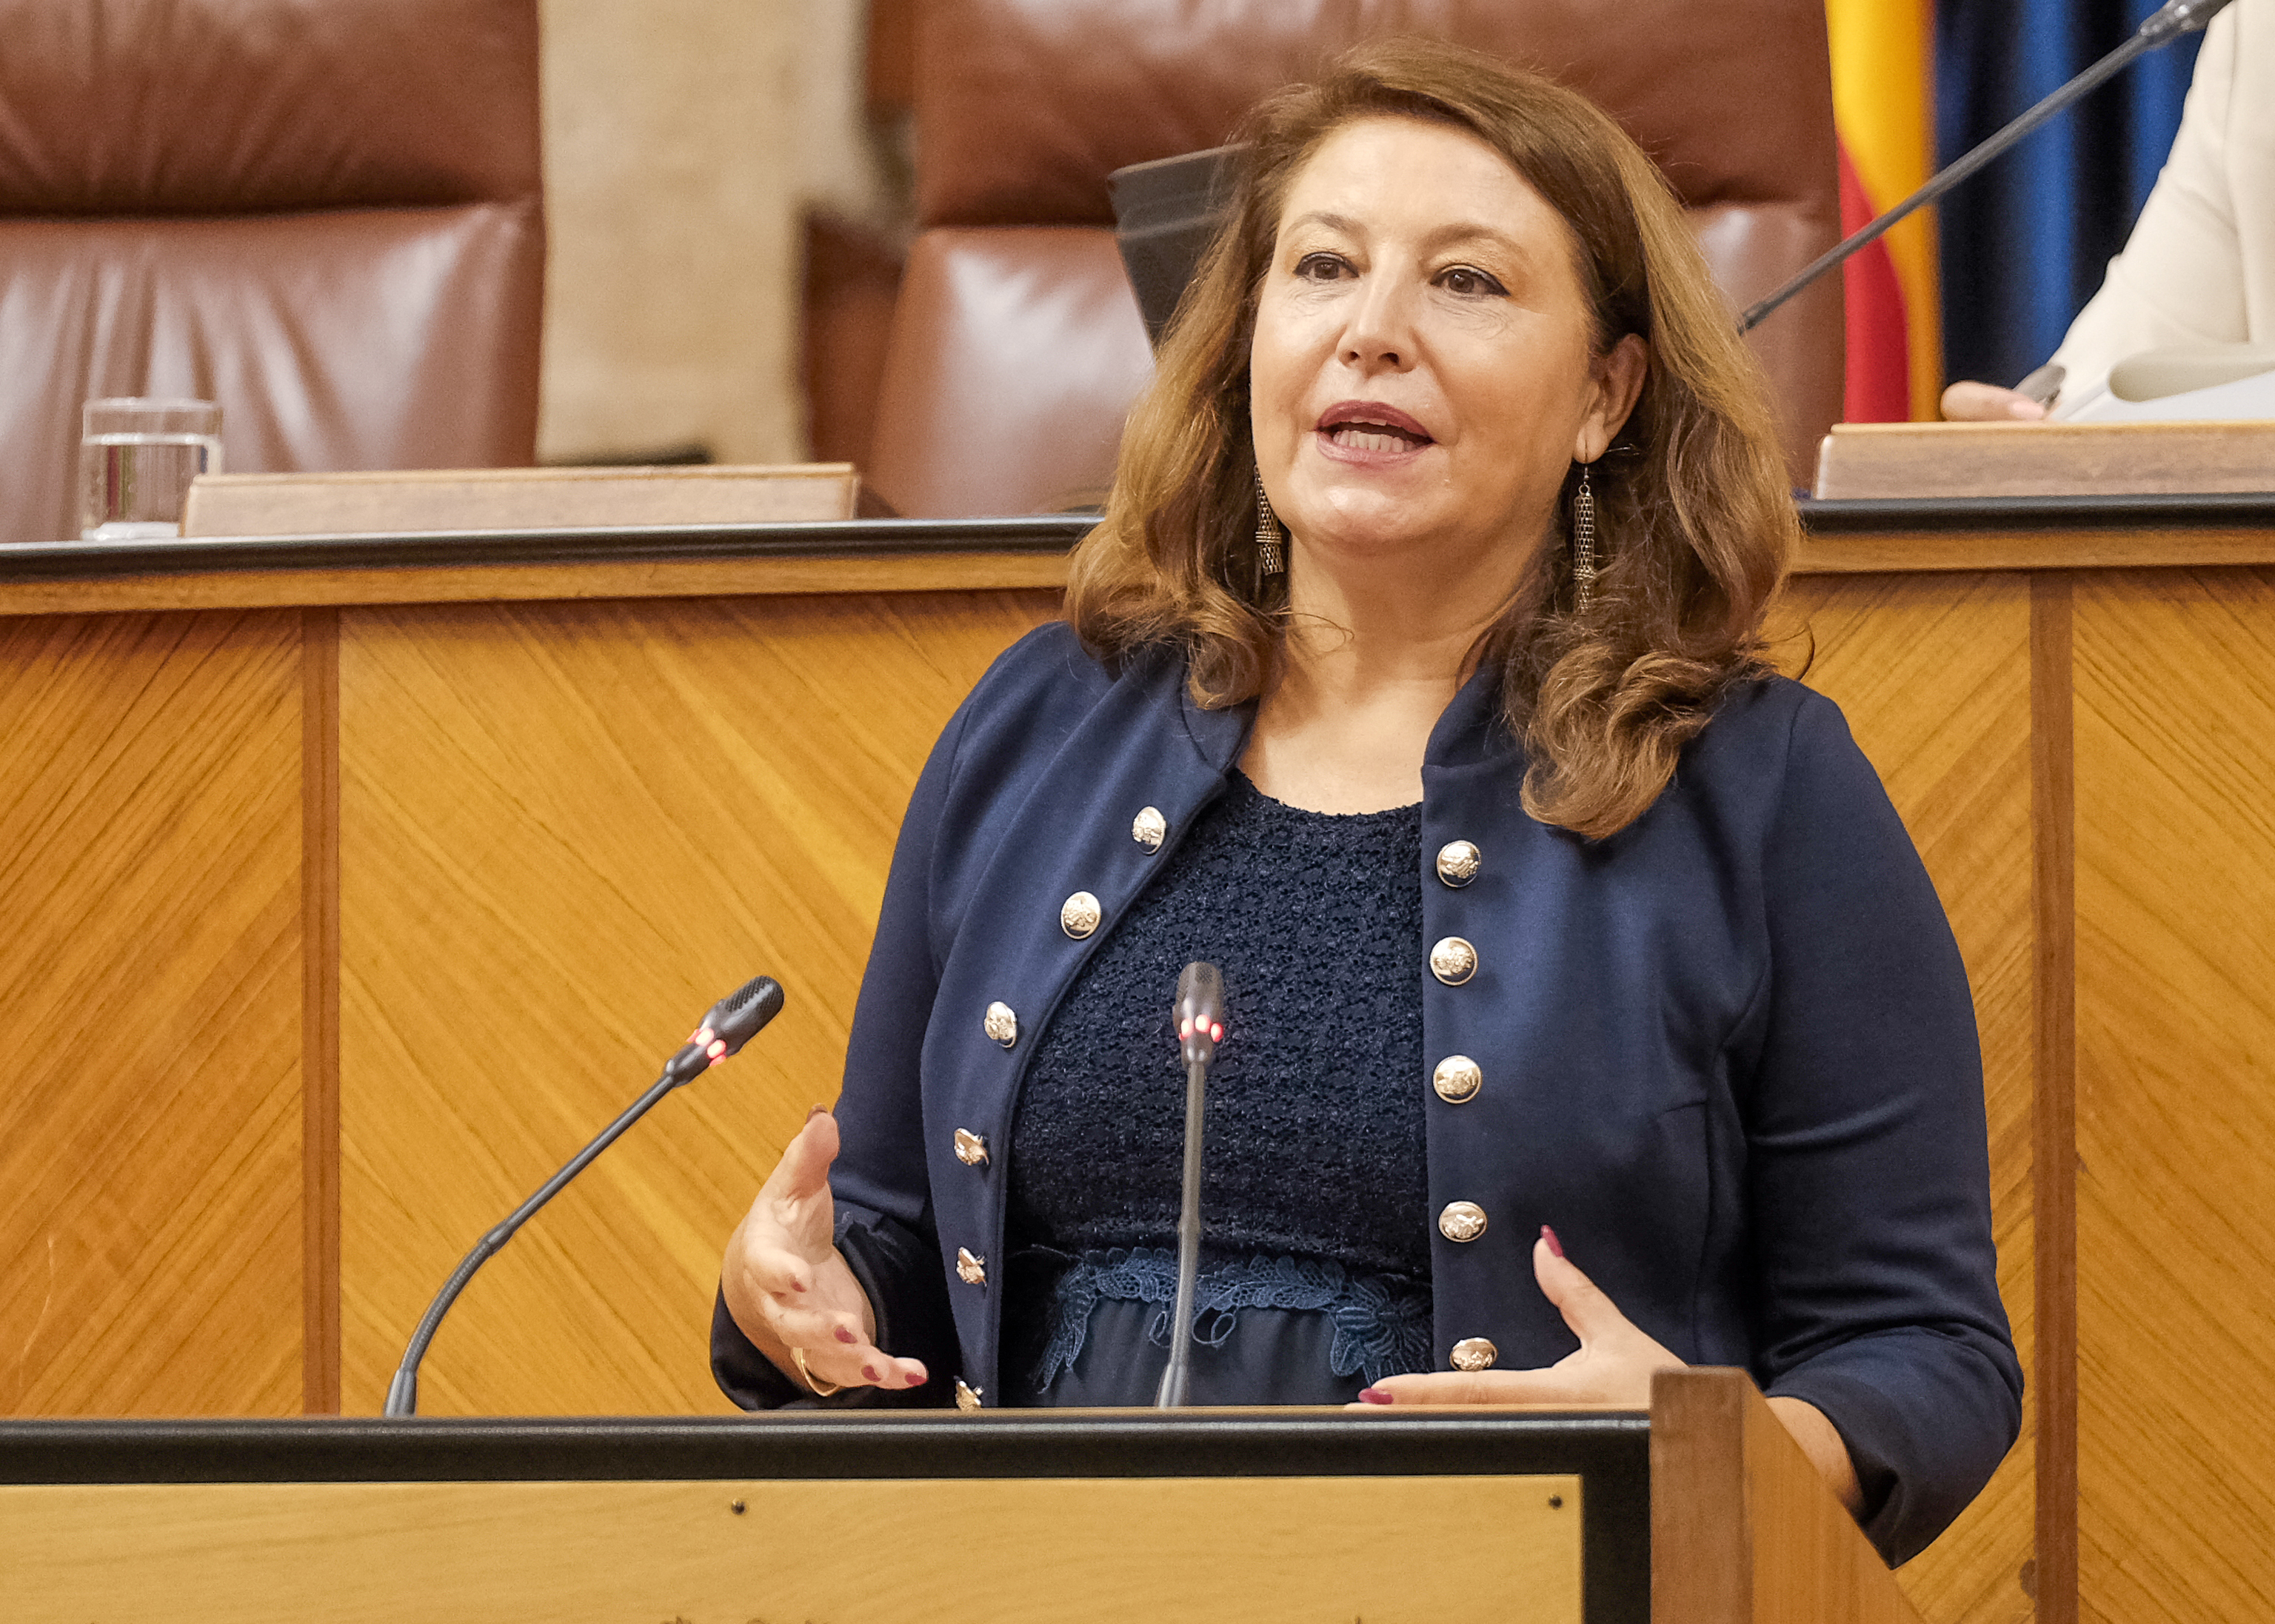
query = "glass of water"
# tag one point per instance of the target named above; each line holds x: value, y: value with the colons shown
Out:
x: 136, y: 460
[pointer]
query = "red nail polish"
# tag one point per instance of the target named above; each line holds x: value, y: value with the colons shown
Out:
x: 846, y: 1336
x: 916, y: 1381
x: 1555, y: 1246
x: 1374, y: 1395
x: 869, y: 1372
x: 797, y: 1285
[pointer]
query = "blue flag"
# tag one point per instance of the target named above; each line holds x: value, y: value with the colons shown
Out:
x: 2025, y: 243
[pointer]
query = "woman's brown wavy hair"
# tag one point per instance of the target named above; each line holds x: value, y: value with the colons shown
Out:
x: 1695, y: 521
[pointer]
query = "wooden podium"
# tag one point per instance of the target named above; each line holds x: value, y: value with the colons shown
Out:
x: 1703, y: 1512
x: 348, y: 885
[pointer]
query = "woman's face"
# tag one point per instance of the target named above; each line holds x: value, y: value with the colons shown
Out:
x: 1421, y: 376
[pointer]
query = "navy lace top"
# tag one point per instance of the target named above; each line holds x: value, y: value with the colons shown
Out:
x: 1314, y: 1193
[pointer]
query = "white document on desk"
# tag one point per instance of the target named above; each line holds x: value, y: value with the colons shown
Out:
x: 2194, y: 383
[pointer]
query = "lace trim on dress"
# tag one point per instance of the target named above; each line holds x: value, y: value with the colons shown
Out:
x: 1382, y: 1322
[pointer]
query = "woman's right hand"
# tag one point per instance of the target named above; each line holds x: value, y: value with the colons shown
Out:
x: 788, y: 1285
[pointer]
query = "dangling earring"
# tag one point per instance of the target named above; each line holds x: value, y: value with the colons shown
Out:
x: 1267, y: 532
x: 1583, y: 539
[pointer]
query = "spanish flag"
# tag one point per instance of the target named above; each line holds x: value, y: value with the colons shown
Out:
x: 1884, y: 105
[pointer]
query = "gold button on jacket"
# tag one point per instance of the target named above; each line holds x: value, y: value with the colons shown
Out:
x: 973, y: 1271
x: 971, y: 1149
x: 1079, y: 915
x: 1462, y: 1221
x: 1000, y: 1024
x: 1149, y: 828
x: 1453, y: 961
x: 1457, y: 1079
x: 967, y: 1397
x: 1457, y: 862
x: 1475, y: 1353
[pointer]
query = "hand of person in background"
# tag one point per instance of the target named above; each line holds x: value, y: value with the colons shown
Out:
x: 2028, y: 402
x: 788, y: 1287
x: 1987, y: 403
x: 1614, y: 1365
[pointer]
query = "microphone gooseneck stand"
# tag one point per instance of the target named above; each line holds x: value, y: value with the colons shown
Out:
x: 732, y: 1022
x: 2177, y: 17
x: 1201, y: 1027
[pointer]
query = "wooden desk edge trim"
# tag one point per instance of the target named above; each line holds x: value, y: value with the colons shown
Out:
x: 978, y: 570
x: 986, y: 571
x: 1004, y: 554
x: 934, y: 1443
x: 1945, y: 551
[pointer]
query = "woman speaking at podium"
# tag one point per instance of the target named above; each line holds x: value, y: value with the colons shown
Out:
x: 1589, y: 1010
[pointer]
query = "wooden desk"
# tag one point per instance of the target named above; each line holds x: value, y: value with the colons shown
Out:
x: 349, y: 887
x: 1703, y: 1510
x: 876, y: 1519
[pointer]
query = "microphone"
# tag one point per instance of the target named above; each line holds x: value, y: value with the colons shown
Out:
x: 2175, y: 19
x: 726, y: 1027
x: 1200, y: 1012
x: 1200, y: 1028
x: 731, y: 1024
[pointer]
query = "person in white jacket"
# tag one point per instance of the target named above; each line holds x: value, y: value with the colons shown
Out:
x: 2200, y: 265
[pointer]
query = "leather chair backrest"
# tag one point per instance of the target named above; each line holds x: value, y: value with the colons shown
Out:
x: 1016, y: 347
x: 324, y: 214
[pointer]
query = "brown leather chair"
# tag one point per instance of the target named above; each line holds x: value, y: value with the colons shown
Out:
x: 324, y: 214
x: 1016, y: 345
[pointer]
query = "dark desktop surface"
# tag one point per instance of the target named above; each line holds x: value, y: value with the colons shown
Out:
x: 1039, y: 533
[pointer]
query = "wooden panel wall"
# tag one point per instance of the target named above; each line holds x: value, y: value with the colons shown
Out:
x: 528, y: 793
x: 565, y: 830
x: 2175, y: 719
x: 1933, y: 673
x: 150, y: 1011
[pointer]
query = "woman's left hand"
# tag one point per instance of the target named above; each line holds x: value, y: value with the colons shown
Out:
x: 1614, y: 1364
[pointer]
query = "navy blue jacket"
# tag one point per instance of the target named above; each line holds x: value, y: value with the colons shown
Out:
x: 1729, y: 1053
